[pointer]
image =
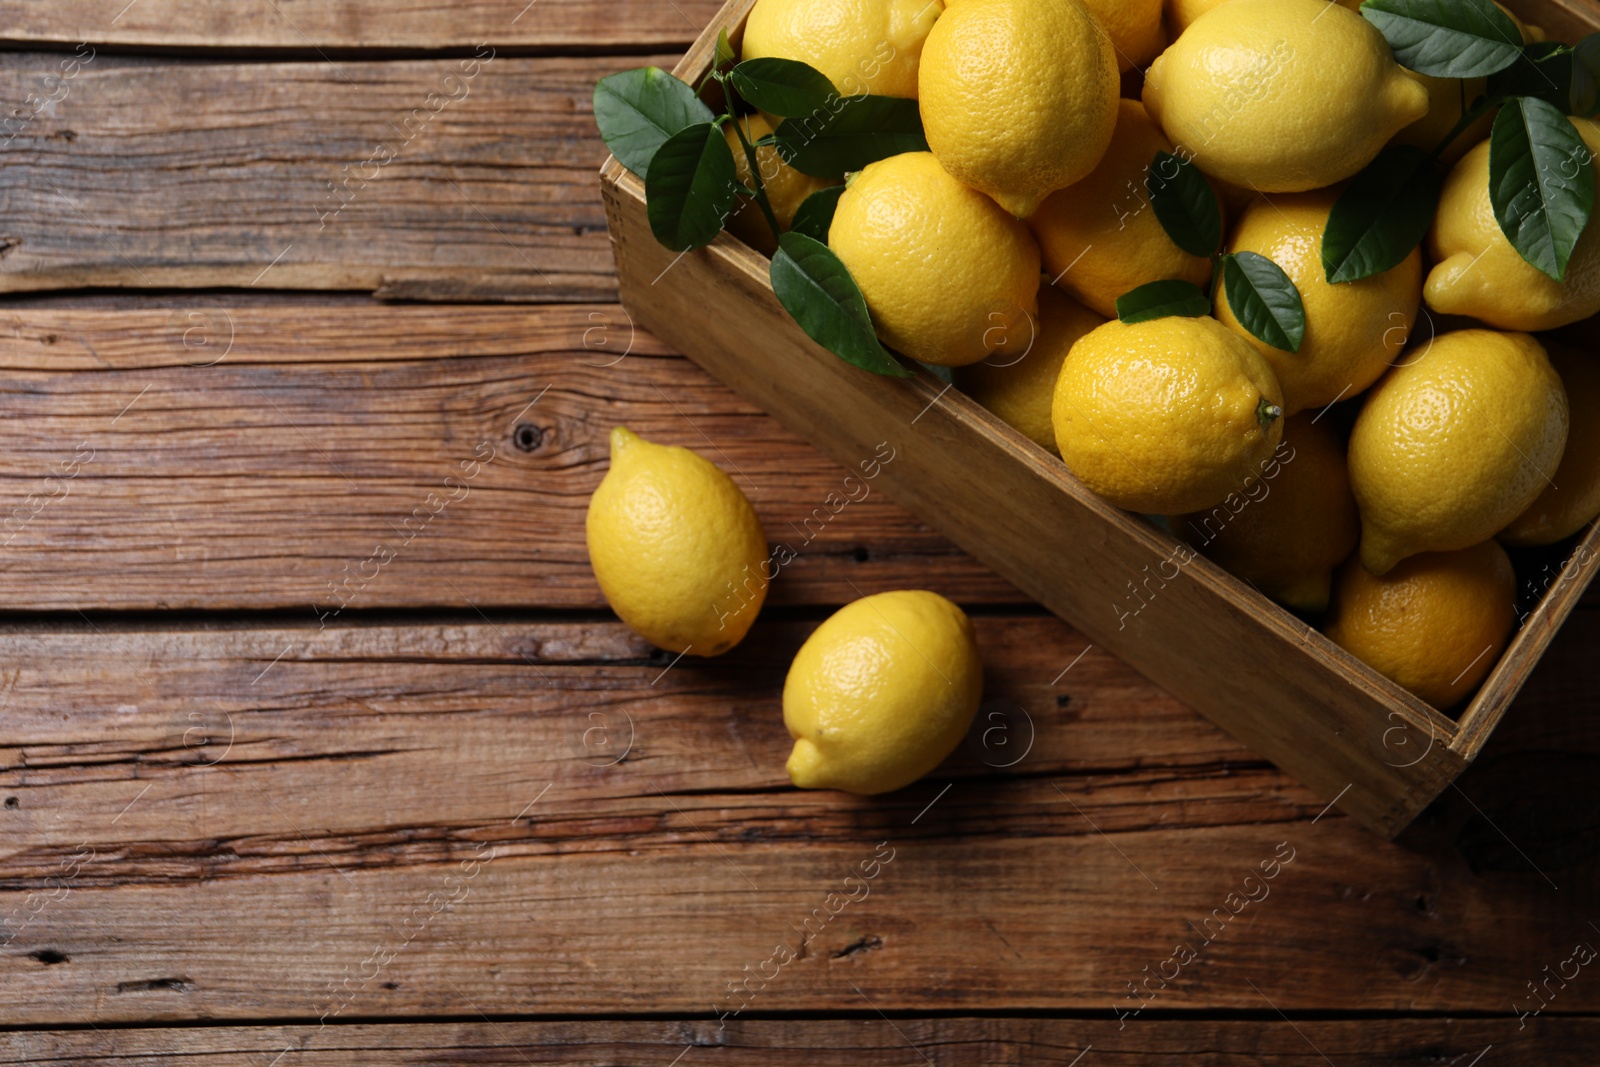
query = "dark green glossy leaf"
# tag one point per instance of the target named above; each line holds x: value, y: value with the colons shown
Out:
x: 947, y: 375
x: 1586, y: 77
x: 1382, y: 215
x: 689, y: 188
x: 1159, y: 300
x: 1447, y: 38
x: 814, y: 287
x: 1545, y: 71
x: 849, y: 133
x: 725, y: 54
x: 815, y: 214
x: 1264, y: 300
x: 782, y: 87
x: 638, y: 110
x: 1185, y: 204
x: 1541, y: 182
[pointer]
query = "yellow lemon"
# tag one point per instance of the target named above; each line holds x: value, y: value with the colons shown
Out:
x: 1135, y: 28
x: 1100, y: 238
x: 1481, y: 275
x: 1181, y: 13
x: 862, y: 46
x: 676, y: 547
x: 1018, y: 382
x: 881, y: 693
x: 786, y: 187
x: 1019, y: 97
x: 1281, y: 96
x: 1165, y: 416
x: 1448, y: 99
x: 946, y: 273
x: 1354, y: 330
x: 1291, y: 524
x: 1434, y: 625
x: 1454, y: 443
x: 1572, y: 503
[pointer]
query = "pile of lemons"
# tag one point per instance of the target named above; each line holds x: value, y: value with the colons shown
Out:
x: 1367, y: 478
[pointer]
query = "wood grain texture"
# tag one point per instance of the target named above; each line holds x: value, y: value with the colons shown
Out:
x: 258, y: 456
x: 904, y: 1042
x: 226, y: 823
x: 368, y: 25
x: 408, y: 178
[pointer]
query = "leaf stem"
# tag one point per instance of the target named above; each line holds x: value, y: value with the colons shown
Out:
x: 1468, y: 117
x: 755, y: 167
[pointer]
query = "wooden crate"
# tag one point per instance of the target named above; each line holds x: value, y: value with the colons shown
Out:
x: 1253, y: 668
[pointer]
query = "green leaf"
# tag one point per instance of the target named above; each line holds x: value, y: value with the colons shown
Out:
x: 690, y: 186
x: 1447, y: 38
x: 947, y: 375
x: 725, y: 53
x: 1185, y: 204
x: 815, y: 214
x: 638, y: 110
x: 1159, y: 300
x: 1545, y: 71
x: 782, y: 86
x: 1382, y: 215
x: 1586, y: 77
x: 814, y: 287
x: 1541, y: 182
x: 1264, y: 300
x: 850, y: 133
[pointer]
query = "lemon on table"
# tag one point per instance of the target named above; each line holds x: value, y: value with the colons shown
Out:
x: 881, y: 693
x: 1481, y: 275
x: 862, y: 46
x: 786, y: 187
x: 1135, y: 28
x: 1573, y: 501
x: 1435, y: 624
x: 1354, y: 330
x: 946, y: 273
x: 1018, y: 382
x: 1166, y: 416
x: 1100, y: 238
x: 676, y: 547
x: 1019, y: 97
x: 1292, y: 525
x: 1281, y: 96
x: 1454, y: 443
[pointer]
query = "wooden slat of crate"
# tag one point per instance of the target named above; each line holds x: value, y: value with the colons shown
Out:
x: 176, y: 173
x: 302, y: 26
x: 258, y: 480
x: 237, y: 881
x: 1551, y: 1041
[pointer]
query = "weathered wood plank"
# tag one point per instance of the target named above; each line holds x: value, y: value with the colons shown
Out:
x: 337, y: 25
x: 257, y: 456
x: 905, y: 1042
x: 201, y: 723
x: 456, y: 177
x: 227, y: 823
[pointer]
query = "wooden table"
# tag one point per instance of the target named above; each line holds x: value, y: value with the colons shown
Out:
x: 320, y: 745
